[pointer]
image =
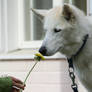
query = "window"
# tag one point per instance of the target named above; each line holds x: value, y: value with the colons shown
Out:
x: 33, y: 28
x: 19, y: 28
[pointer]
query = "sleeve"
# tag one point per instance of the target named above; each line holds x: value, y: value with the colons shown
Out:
x: 5, y: 84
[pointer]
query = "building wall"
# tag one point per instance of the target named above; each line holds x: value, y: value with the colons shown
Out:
x: 48, y: 76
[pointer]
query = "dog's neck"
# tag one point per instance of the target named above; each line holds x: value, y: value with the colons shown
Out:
x: 81, y: 48
x: 73, y: 49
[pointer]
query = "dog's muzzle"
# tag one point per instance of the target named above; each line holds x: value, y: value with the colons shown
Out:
x: 43, y: 50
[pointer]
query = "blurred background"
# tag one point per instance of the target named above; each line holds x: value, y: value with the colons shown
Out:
x: 21, y: 35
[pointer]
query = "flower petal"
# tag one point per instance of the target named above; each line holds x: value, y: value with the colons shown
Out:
x: 40, y: 56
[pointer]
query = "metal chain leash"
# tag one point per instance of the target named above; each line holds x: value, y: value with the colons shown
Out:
x: 71, y: 67
x: 72, y: 76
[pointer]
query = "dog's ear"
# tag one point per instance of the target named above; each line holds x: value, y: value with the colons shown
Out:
x: 40, y: 13
x: 68, y: 13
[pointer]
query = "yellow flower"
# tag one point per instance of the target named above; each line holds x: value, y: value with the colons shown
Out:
x: 39, y: 56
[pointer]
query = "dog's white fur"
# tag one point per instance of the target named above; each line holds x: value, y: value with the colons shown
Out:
x: 70, y: 38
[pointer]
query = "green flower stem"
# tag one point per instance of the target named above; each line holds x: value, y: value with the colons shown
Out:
x: 30, y: 72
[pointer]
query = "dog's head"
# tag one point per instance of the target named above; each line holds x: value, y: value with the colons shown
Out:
x: 59, y: 24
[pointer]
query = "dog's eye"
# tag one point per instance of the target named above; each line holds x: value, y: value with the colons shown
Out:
x: 57, y: 30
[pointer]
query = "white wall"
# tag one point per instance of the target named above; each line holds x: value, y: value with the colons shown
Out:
x: 48, y: 76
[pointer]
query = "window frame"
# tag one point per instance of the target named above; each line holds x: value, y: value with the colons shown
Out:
x: 31, y: 44
x: 89, y: 13
x: 22, y: 43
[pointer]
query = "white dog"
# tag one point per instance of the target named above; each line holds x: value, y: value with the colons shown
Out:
x: 66, y: 27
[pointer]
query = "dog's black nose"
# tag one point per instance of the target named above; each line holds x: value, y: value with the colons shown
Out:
x: 43, y: 50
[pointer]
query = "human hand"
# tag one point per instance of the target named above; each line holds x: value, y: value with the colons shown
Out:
x: 17, y: 85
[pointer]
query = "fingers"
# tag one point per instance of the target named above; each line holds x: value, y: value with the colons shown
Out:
x: 21, y: 86
x: 16, y: 80
x: 15, y: 90
x: 17, y: 84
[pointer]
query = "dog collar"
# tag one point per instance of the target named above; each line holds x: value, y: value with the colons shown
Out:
x: 71, y: 67
x: 78, y: 52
